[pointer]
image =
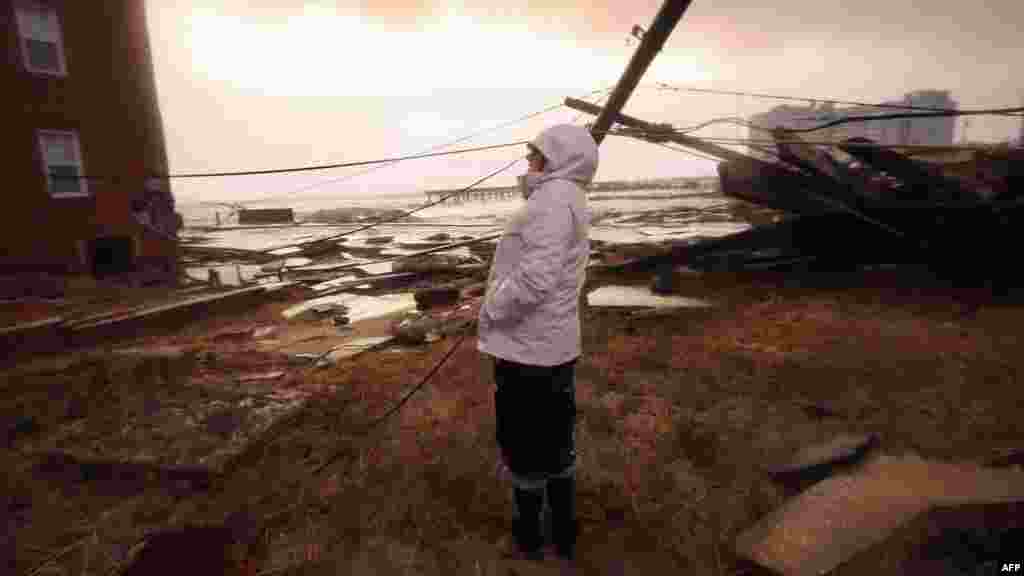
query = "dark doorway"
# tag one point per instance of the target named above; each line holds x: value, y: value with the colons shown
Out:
x: 111, y: 256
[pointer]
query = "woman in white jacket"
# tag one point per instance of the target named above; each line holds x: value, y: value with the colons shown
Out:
x: 530, y: 325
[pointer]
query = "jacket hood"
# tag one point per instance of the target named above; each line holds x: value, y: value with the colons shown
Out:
x: 570, y: 153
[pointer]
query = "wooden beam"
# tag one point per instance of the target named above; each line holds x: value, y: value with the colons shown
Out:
x: 649, y: 127
x: 664, y: 22
x: 928, y: 181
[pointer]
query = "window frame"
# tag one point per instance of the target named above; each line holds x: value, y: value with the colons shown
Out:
x: 44, y: 162
x: 19, y: 7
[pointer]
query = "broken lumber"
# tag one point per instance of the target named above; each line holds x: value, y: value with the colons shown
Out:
x: 924, y: 182
x: 769, y: 185
x: 173, y: 313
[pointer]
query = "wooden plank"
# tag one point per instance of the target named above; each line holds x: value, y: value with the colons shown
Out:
x: 166, y: 316
x: 847, y: 514
x: 769, y: 185
x: 925, y: 181
x: 155, y: 310
x: 29, y: 326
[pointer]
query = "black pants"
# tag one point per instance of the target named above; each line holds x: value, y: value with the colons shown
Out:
x: 536, y: 413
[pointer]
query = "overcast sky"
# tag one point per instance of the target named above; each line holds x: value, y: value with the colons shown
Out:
x: 252, y: 84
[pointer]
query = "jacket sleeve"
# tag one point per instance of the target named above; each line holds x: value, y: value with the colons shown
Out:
x: 545, y: 235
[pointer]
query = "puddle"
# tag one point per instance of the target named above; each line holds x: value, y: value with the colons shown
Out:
x: 633, y: 296
x: 359, y: 307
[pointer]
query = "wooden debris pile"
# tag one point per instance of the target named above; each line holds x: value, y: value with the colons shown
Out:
x: 859, y: 204
x: 855, y: 204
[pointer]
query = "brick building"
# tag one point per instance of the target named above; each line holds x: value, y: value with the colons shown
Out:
x: 82, y: 132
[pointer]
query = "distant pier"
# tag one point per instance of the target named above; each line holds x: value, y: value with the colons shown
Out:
x: 478, y: 195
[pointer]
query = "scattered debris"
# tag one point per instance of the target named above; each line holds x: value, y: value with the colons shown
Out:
x: 360, y: 307
x: 125, y: 324
x: 474, y: 290
x: 265, y: 332
x: 167, y: 434
x: 435, y: 296
x: 262, y: 376
x: 415, y: 329
x: 351, y: 349
x: 428, y: 264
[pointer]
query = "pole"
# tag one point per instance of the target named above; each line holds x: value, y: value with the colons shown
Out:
x: 664, y: 22
x: 652, y: 129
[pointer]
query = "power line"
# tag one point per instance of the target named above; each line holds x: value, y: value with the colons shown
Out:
x: 951, y: 113
x: 443, y: 145
x: 401, y: 402
x: 436, y: 147
x: 685, y: 151
x: 399, y: 216
x: 638, y: 132
x: 664, y: 86
x: 299, y: 169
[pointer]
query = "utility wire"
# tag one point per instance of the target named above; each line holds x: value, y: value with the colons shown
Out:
x: 853, y: 119
x: 299, y: 169
x: 639, y: 132
x: 399, y: 216
x: 445, y: 144
x: 400, y: 403
x: 665, y: 86
x: 685, y: 151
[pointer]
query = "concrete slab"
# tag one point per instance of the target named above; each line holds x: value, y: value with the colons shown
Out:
x: 360, y: 307
x: 633, y: 296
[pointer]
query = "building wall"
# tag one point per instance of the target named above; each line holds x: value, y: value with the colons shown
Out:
x: 914, y: 131
x: 109, y: 97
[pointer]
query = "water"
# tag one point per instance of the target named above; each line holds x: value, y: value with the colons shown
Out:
x: 663, y: 215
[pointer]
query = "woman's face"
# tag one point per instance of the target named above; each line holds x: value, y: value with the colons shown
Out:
x: 535, y: 159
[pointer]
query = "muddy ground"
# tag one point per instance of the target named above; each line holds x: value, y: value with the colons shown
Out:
x: 679, y: 416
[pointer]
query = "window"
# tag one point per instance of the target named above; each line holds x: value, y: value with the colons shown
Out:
x: 40, y: 39
x: 62, y: 163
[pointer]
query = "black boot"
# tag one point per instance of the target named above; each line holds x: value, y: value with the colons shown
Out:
x: 564, y: 528
x: 527, y: 523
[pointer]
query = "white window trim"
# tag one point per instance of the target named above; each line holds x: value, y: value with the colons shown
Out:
x: 23, y: 40
x: 46, y: 166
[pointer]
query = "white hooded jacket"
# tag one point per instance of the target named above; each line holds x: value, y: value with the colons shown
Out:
x: 530, y: 313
